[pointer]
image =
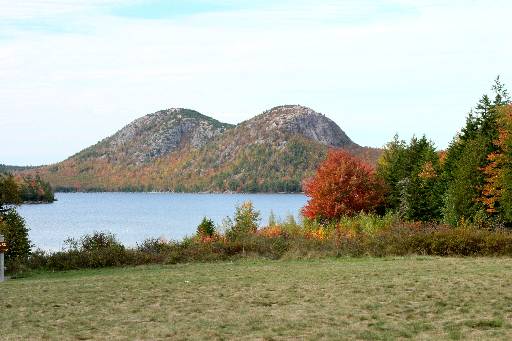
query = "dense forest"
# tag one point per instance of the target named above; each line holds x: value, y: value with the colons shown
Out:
x: 471, y: 180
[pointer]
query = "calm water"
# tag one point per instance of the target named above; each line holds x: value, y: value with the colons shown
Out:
x: 132, y: 217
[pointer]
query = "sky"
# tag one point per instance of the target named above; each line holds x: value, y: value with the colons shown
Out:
x: 75, y: 71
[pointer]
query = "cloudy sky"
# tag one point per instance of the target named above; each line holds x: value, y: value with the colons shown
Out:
x: 75, y: 71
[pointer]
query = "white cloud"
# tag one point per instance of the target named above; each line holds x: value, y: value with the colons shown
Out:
x: 409, y: 73
x: 30, y: 9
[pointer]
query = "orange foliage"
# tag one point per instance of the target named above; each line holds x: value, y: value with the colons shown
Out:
x: 208, y: 239
x: 428, y: 171
x: 343, y: 185
x: 270, y: 231
x: 492, y: 191
x: 319, y: 234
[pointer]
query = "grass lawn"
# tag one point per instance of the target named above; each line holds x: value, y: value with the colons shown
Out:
x: 353, y: 299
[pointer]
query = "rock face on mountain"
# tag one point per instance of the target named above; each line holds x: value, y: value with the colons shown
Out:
x: 155, y: 135
x: 183, y: 150
x: 277, y: 127
x: 299, y: 120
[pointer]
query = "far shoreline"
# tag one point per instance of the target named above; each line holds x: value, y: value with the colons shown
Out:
x: 172, y: 192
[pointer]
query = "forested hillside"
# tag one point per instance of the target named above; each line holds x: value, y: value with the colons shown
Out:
x: 183, y: 150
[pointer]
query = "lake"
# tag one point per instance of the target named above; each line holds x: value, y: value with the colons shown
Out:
x: 133, y: 217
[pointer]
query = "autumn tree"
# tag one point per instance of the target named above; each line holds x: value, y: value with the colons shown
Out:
x: 469, y: 155
x: 342, y: 185
x: 497, y: 189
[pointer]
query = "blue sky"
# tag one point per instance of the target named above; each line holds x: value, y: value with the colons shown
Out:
x: 73, y: 72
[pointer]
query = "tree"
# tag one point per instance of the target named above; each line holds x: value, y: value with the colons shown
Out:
x: 244, y: 222
x: 342, y: 185
x: 206, y: 228
x: 246, y: 218
x: 12, y: 225
x: 497, y: 189
x: 392, y: 168
x: 470, y: 156
x: 411, y: 172
x: 463, y: 187
x: 9, y: 193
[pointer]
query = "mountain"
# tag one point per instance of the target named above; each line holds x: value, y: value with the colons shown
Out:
x: 155, y: 135
x: 183, y: 150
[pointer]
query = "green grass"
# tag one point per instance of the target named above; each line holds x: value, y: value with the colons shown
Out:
x: 353, y: 299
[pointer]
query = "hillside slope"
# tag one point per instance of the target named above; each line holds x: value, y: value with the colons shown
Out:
x: 155, y: 135
x: 182, y: 150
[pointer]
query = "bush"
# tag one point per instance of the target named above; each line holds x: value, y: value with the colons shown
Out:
x: 100, y: 249
x: 355, y: 236
x: 95, y: 241
x: 153, y: 245
x: 397, y: 239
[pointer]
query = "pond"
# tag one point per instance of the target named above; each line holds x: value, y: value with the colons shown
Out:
x: 133, y: 217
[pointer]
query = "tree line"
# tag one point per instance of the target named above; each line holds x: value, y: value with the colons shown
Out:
x: 469, y: 182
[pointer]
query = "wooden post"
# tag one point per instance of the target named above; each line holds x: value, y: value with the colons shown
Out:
x: 1, y: 261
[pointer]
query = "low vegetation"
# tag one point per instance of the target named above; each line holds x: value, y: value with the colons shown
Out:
x: 420, y: 298
x: 241, y: 238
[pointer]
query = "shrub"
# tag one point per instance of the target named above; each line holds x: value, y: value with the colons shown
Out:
x: 93, y: 242
x: 153, y: 245
x: 316, y: 241
x: 271, y: 231
x: 206, y: 228
x: 99, y: 249
x: 367, y: 222
x: 342, y: 185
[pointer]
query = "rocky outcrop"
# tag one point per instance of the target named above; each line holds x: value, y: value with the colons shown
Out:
x: 156, y: 135
x: 297, y: 120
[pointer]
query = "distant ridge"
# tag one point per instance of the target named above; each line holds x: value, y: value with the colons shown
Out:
x: 10, y: 168
x: 182, y: 150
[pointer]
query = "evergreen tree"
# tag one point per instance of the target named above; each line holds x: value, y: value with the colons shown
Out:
x: 467, y: 157
x: 412, y: 174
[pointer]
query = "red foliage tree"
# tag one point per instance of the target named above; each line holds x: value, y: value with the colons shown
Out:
x: 342, y: 185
